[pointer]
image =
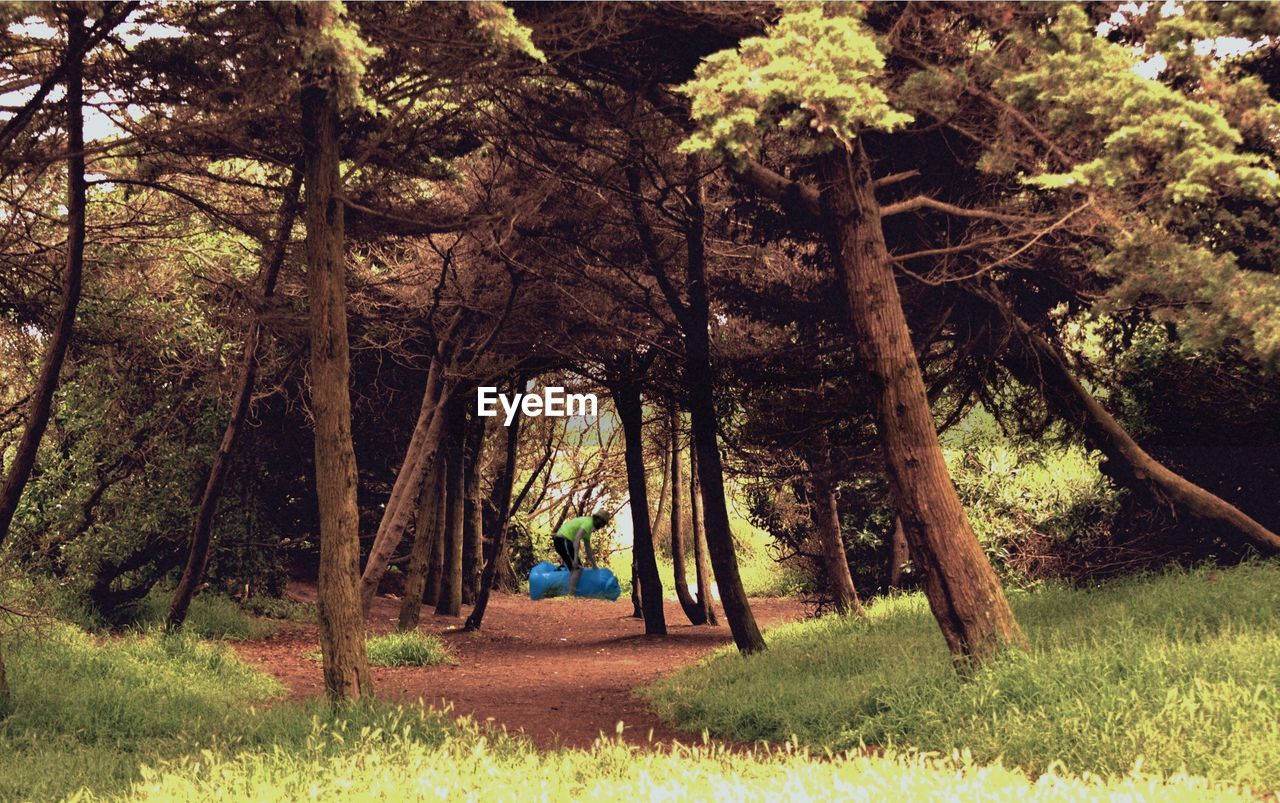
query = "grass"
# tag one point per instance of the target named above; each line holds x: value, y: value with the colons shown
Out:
x: 407, y: 649
x: 1173, y: 672
x: 404, y: 649
x: 174, y: 718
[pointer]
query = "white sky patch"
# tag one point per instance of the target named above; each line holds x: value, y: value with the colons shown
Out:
x: 98, y: 124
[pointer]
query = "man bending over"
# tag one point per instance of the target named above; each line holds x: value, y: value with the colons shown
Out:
x: 572, y: 539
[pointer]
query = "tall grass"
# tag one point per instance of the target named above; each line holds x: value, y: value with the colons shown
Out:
x: 1173, y: 672
x: 173, y: 718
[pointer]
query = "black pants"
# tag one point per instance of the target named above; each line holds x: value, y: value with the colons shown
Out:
x: 564, y: 548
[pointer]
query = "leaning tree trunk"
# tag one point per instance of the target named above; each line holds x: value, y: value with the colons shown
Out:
x: 426, y: 528
x: 202, y: 532
x: 449, y: 602
x: 424, y: 447
x: 688, y: 604
x: 472, y: 525
x: 702, y: 416
x: 40, y: 406
x: 346, y: 668
x: 626, y: 398
x: 505, y: 481
x: 962, y: 588
x: 1036, y: 363
x: 700, y: 560
x: 826, y: 521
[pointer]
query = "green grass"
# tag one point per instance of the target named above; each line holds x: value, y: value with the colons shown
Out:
x: 280, y: 608
x: 403, y: 649
x: 1172, y: 672
x: 174, y: 718
x: 210, y: 616
x: 407, y: 649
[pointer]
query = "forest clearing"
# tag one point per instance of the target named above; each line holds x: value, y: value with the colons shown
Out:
x: 627, y: 400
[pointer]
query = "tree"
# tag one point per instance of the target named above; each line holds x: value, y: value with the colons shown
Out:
x: 502, y: 499
x: 346, y: 668
x: 627, y: 400
x: 449, y: 602
x: 427, y: 525
x: 40, y: 404
x: 273, y: 256
x: 696, y: 613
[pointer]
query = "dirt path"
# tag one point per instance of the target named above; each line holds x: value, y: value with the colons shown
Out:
x: 562, y: 671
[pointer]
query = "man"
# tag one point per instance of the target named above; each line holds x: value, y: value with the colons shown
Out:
x: 573, y: 537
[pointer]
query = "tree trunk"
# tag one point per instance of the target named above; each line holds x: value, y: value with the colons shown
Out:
x: 202, y: 532
x: 826, y: 521
x: 688, y: 604
x: 346, y: 669
x: 626, y: 397
x: 424, y: 446
x: 449, y: 602
x: 502, y: 492
x: 472, y: 526
x: 962, y: 588
x: 898, y: 553
x: 1036, y: 363
x: 40, y: 406
x: 700, y: 560
x: 435, y: 563
x: 426, y: 529
x: 702, y: 416
x: 659, y: 519
x: 637, y: 604
x: 6, y: 696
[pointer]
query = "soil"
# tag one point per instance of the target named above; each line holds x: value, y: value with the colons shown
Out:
x: 562, y: 671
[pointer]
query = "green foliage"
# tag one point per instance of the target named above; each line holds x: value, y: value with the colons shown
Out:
x: 407, y: 649
x: 1173, y: 672
x: 1022, y: 493
x: 815, y: 69
x: 497, y: 22
x: 1152, y: 135
x: 211, y: 616
x: 336, y: 47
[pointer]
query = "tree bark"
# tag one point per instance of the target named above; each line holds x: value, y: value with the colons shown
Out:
x: 426, y: 531
x: 826, y: 521
x: 898, y: 553
x: 424, y: 446
x: 659, y: 518
x: 698, y: 376
x: 700, y: 561
x: 688, y: 604
x: 40, y: 406
x: 505, y: 481
x: 202, y: 532
x: 1037, y: 363
x: 346, y: 669
x: 472, y: 526
x: 449, y: 602
x: 6, y: 696
x: 962, y: 588
x: 435, y: 563
x: 626, y: 397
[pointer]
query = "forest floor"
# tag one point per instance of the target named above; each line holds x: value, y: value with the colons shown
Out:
x: 562, y: 671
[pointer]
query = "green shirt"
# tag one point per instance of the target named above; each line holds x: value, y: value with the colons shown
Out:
x: 572, y: 529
